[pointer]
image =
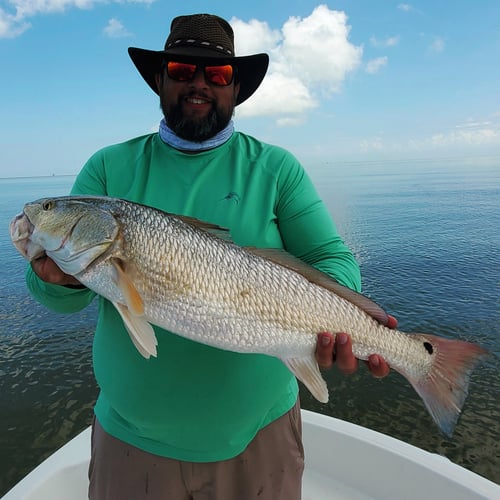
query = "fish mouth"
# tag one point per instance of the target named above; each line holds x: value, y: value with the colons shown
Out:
x: 21, y: 230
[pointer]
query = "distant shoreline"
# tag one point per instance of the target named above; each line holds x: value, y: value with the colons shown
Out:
x: 37, y: 176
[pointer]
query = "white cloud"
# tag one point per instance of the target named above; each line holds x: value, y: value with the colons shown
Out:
x: 375, y: 64
x: 386, y: 42
x: 309, y: 57
x: 10, y: 26
x: 465, y: 138
x: 371, y: 144
x: 115, y: 29
x: 289, y: 122
x: 472, y: 137
x: 471, y: 134
x: 253, y: 37
x: 15, y: 22
x: 406, y: 7
x: 473, y: 124
x: 279, y: 94
x: 29, y: 8
x: 318, y: 49
x: 437, y: 44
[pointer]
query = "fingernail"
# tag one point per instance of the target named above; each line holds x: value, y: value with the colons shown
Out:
x: 375, y: 361
x: 392, y: 322
x: 325, y: 340
x: 341, y: 338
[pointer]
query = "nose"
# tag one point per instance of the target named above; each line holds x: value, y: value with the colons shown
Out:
x: 199, y: 79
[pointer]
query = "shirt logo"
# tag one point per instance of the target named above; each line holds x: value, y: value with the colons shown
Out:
x: 232, y: 196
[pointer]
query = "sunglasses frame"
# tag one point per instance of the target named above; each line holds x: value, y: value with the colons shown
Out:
x: 203, y: 67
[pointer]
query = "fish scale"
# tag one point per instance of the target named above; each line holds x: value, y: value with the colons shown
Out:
x: 185, y: 276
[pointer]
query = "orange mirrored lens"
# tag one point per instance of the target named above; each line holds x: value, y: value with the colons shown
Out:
x: 181, y: 72
x: 184, y: 72
x: 219, y: 75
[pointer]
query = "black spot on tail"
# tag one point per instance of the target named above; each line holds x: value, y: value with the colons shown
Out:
x: 428, y: 347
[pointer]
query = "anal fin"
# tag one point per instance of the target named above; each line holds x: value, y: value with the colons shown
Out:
x: 307, y: 371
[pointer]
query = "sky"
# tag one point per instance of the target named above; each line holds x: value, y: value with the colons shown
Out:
x: 348, y: 81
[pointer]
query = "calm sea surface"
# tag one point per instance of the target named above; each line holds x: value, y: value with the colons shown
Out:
x: 427, y: 235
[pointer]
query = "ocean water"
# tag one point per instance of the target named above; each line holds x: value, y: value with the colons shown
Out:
x: 427, y: 236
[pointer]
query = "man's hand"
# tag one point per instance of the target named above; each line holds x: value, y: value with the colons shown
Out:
x: 47, y: 270
x: 337, y: 349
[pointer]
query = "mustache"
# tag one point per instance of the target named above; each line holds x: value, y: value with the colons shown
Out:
x: 196, y: 94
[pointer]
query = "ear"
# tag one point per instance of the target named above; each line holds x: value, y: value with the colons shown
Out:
x: 159, y: 81
x: 236, y: 91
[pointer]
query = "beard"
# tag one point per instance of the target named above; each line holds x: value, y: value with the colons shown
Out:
x: 198, y: 130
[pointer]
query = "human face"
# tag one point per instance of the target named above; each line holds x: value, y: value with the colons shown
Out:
x: 196, y: 109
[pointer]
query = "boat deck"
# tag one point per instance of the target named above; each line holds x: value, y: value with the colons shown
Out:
x: 343, y: 461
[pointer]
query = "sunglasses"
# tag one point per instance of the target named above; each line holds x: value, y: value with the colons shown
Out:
x: 217, y: 75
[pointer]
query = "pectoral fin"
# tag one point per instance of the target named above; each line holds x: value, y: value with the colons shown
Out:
x: 140, y: 331
x: 131, y: 295
x: 307, y: 371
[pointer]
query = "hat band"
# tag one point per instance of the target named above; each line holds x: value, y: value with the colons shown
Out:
x: 192, y: 42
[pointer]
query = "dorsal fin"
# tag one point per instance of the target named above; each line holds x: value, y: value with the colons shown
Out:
x: 283, y: 258
x: 221, y: 232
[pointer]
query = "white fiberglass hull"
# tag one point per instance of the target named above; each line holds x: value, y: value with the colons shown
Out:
x: 343, y: 461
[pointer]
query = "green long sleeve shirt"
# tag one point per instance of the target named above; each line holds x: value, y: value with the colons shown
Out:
x: 194, y: 402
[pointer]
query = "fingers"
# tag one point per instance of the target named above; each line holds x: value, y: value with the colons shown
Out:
x: 392, y: 322
x: 47, y: 270
x: 337, y: 349
x: 378, y: 366
x: 324, y: 350
x: 344, y: 358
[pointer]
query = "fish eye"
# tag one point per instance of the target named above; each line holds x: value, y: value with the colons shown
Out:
x: 47, y: 205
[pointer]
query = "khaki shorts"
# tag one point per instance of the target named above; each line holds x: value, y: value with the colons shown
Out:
x: 270, y: 468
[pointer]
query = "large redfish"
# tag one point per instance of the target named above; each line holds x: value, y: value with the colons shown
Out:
x: 187, y: 276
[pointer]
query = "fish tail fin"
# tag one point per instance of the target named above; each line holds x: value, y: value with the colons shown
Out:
x: 445, y: 388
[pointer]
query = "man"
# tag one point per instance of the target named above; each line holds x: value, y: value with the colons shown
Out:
x: 197, y: 422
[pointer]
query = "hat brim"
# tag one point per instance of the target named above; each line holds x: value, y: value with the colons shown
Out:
x: 251, y: 69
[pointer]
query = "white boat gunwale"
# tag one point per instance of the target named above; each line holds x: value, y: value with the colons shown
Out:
x: 343, y: 460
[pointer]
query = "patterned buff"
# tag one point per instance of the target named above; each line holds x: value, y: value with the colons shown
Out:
x: 170, y: 138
